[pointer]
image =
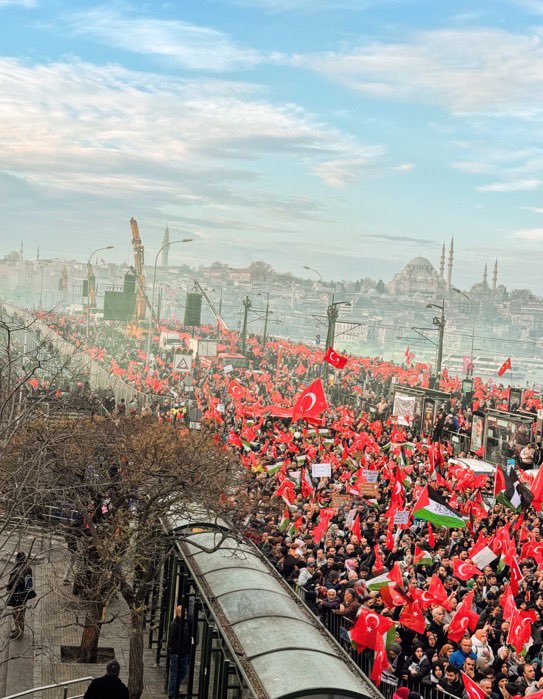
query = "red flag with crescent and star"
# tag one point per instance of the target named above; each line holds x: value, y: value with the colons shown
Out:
x: 311, y: 403
x: 335, y: 359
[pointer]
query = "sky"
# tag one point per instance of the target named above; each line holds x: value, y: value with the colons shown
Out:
x: 346, y: 135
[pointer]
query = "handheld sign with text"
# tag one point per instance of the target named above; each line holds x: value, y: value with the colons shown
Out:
x: 401, y: 517
x: 321, y: 470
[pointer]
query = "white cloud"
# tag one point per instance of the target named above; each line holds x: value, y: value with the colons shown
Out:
x: 533, y: 209
x: 105, y: 130
x: 189, y: 45
x: 530, y: 234
x: 528, y: 185
x: 341, y: 171
x: 464, y: 70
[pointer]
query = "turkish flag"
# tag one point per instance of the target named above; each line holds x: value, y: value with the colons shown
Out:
x: 380, y: 663
x: 533, y: 549
x: 520, y: 630
x: 235, y: 440
x: 507, y: 602
x: 506, y: 366
x: 472, y: 688
x: 236, y: 390
x: 463, y: 570
x: 464, y: 619
x: 393, y: 596
x: 537, y: 490
x: 311, y: 403
x: 378, y: 565
x: 515, y: 575
x: 286, y: 491
x: 355, y: 528
x: 412, y: 617
x: 335, y: 359
x: 368, y: 627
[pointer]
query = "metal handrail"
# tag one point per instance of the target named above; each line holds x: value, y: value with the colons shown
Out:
x: 50, y: 686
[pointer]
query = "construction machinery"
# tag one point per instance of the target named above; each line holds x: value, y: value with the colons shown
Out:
x: 220, y: 322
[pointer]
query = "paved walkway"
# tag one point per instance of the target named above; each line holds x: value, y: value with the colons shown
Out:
x: 54, y: 620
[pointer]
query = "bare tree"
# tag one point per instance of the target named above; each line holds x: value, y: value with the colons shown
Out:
x: 126, y: 479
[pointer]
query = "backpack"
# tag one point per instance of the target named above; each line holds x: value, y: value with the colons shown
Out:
x: 30, y: 593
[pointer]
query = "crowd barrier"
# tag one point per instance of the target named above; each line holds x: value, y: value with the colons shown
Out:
x: 339, y: 626
x: 80, y: 364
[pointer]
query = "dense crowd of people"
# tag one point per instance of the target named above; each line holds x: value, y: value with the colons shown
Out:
x: 333, y: 491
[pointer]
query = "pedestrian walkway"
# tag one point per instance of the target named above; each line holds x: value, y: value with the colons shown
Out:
x: 55, y: 619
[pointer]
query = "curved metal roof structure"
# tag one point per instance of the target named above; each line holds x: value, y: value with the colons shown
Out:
x: 272, y: 631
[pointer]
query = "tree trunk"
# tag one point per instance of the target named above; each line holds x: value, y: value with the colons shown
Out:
x: 135, y: 658
x: 88, y: 650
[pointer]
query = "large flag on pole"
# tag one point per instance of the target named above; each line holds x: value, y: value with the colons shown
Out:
x: 311, y: 403
x: 506, y: 366
x: 335, y: 359
x: 434, y: 508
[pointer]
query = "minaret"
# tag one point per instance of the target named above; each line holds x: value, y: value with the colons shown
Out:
x: 495, y: 278
x: 485, y: 278
x: 21, y: 250
x: 442, y: 263
x: 38, y: 254
x: 450, y: 266
x: 166, y: 250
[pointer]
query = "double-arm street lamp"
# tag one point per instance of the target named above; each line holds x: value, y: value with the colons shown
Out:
x: 166, y: 245
x: 89, y: 261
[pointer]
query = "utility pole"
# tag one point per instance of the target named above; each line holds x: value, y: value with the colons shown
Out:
x: 265, y: 336
x: 332, y: 313
x: 246, y: 306
x: 439, y: 322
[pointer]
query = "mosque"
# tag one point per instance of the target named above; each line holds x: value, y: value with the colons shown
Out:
x: 420, y: 279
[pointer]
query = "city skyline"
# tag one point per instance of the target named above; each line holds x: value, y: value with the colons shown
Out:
x: 348, y: 136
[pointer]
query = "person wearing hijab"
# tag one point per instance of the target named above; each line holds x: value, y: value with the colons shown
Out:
x: 483, y: 652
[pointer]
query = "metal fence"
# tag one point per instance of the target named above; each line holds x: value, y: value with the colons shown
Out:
x: 78, y: 360
x: 339, y: 626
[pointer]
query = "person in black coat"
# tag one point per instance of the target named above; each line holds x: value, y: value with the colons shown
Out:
x: 179, y: 644
x: 21, y: 589
x: 110, y: 686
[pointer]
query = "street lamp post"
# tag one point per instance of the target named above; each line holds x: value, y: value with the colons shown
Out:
x: 474, y: 313
x: 166, y: 245
x: 265, y: 336
x: 106, y: 247
x: 316, y: 272
x: 440, y: 323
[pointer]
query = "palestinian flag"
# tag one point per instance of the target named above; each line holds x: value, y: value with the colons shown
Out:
x: 284, y: 524
x: 422, y: 558
x: 380, y: 581
x: 433, y: 508
x: 516, y: 496
x: 272, y: 469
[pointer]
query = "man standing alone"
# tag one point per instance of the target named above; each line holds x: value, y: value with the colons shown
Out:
x: 179, y: 641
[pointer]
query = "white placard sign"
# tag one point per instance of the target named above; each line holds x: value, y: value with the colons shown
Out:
x: 220, y: 408
x: 401, y: 517
x: 321, y: 470
x: 228, y: 368
x: 370, y: 476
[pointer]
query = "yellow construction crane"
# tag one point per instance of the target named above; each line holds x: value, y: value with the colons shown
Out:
x: 137, y: 246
